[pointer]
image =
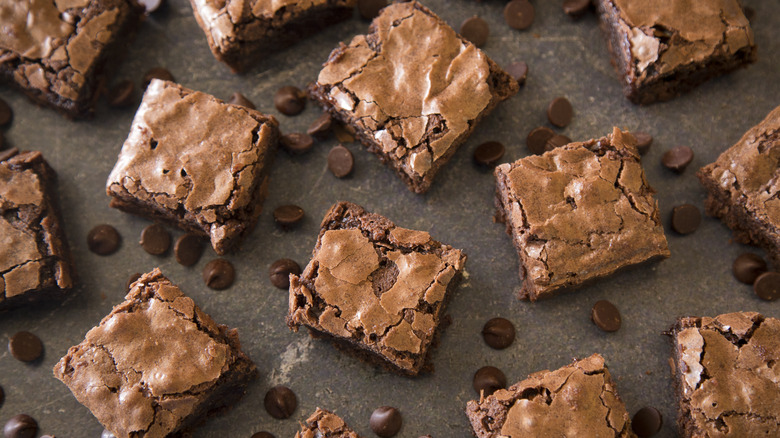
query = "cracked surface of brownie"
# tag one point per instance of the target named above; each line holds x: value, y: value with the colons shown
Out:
x: 196, y: 162
x: 727, y: 375
x: 578, y: 213
x: 375, y: 287
x: 412, y: 89
x: 661, y: 48
x: 325, y: 424
x: 157, y: 364
x: 577, y: 400
x: 35, y: 260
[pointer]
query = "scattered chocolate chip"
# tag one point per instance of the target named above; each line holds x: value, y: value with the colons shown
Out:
x: 606, y: 316
x: 188, y: 249
x: 157, y: 73
x: 290, y: 100
x: 643, y: 141
x: 386, y: 421
x: 340, y: 161
x: 369, y: 9
x: 21, y: 426
x: 219, y: 274
x: 560, y: 112
x: 576, y: 8
x: 239, y: 99
x: 6, y: 113
x: 647, y: 422
x: 489, y: 379
x: 122, y: 94
x: 686, y: 218
x: 280, y: 272
x: 488, y: 153
x: 747, y: 267
x: 150, y: 5
x: 344, y: 134
x: 519, y: 71
x: 519, y: 14
x: 155, y: 239
x: 288, y: 215
x: 677, y: 158
x: 767, y: 286
x: 296, y: 143
x: 107, y: 434
x: 537, y: 139
x: 132, y: 279
x: 475, y: 30
x: 25, y: 346
x: 280, y: 402
x: 103, y: 239
x: 263, y: 434
x: 498, y: 333
x: 320, y: 128
x: 556, y: 141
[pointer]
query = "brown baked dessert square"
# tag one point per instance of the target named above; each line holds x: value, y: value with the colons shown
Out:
x: 325, y: 424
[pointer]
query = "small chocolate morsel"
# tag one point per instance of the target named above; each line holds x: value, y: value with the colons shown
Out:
x: 537, y: 139
x: 296, y: 143
x: 290, y: 100
x: 122, y: 94
x: 519, y: 14
x: 489, y: 380
x: 132, y: 279
x: 386, y: 421
x: 369, y: 9
x: 6, y: 113
x: 488, y: 153
x: 643, y: 141
x: 239, y: 99
x: 560, y: 112
x: 686, y: 218
x: 219, y: 274
x: 320, y: 128
x: 747, y: 267
x: 288, y: 215
x: 157, y: 73
x: 677, y: 158
x: 25, y: 346
x: 21, y: 426
x: 150, y: 5
x: 767, y: 286
x: 103, y: 239
x: 647, y: 422
x: 263, y: 434
x: 280, y: 272
x: 556, y: 141
x: 576, y: 8
x: 475, y: 30
x: 280, y: 402
x: 606, y: 316
x: 519, y: 71
x: 188, y: 249
x: 340, y: 161
x: 498, y: 333
x: 155, y: 239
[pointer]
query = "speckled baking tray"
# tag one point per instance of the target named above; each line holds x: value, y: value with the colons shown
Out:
x: 567, y: 58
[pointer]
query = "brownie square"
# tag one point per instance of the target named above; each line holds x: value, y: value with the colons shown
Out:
x: 242, y: 32
x: 578, y: 213
x: 377, y: 289
x: 577, y: 400
x: 661, y: 48
x: 325, y: 424
x: 743, y: 186
x: 412, y: 89
x: 156, y: 365
x: 727, y: 378
x: 35, y: 260
x: 195, y: 162
x: 59, y: 52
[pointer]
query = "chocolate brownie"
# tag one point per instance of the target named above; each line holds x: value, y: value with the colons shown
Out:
x: 195, y: 162
x: 156, y: 365
x: 743, y: 186
x: 325, y: 424
x: 577, y: 400
x: 727, y: 380
x: 378, y: 289
x: 661, y: 48
x: 59, y: 52
x: 412, y: 89
x: 35, y: 260
x: 578, y: 213
x: 242, y: 32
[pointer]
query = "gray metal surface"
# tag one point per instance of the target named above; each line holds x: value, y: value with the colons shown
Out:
x: 567, y: 58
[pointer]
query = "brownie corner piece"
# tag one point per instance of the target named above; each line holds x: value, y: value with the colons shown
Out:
x: 579, y: 399
x: 35, y: 259
x: 726, y: 375
x: 325, y: 424
x: 157, y: 364
x: 661, y: 49
x: 412, y: 89
x: 196, y: 162
x: 376, y: 289
x: 578, y: 213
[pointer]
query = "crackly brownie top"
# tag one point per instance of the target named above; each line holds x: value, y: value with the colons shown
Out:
x: 412, y: 82
x: 729, y: 371
x: 324, y: 424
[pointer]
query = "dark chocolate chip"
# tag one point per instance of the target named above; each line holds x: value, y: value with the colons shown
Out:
x: 133, y: 279
x: 157, y: 73
x: 767, y: 286
x: 488, y: 153
x: 5, y: 155
x: 25, y: 346
x: 103, y: 239
x: 20, y: 426
x: 556, y: 141
x: 519, y: 71
x: 219, y: 274
x: 686, y: 218
x: 122, y: 94
x: 519, y: 14
x: 6, y: 113
x: 107, y: 434
x: 239, y: 99
x: 155, y: 239
x: 643, y: 141
x: 677, y: 158
x: 386, y: 421
x: 280, y: 272
x: 288, y: 215
x: 290, y: 100
x: 475, y: 30
x: 263, y: 434
x: 320, y: 128
x: 280, y: 402
x: 606, y: 316
x: 297, y: 143
x: 560, y: 112
x: 647, y: 422
x: 340, y: 161
x: 489, y: 380
x: 150, y: 5
x: 747, y: 267
x: 576, y: 8
x: 498, y: 333
x: 537, y: 139
x: 369, y: 9
x: 188, y: 249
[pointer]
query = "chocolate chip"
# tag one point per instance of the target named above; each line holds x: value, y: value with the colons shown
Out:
x: 747, y: 267
x: 386, y: 421
x: 288, y: 215
x: 767, y: 286
x: 519, y: 14
x: 6, y: 113
x: 320, y: 128
x: 556, y: 141
x: 157, y: 73
x: 519, y: 71
x: 686, y: 218
x: 155, y: 239
x: 647, y: 422
x: 219, y: 274
x: 488, y: 153
x: 643, y: 141
x: 677, y: 158
x: 297, y: 143
x: 132, y: 280
x: 340, y: 161
x: 103, y: 239
x: 280, y: 402
x: 290, y: 100
x: 280, y: 272
x: 475, y: 30
x: 560, y: 112
x: 369, y: 9
x: 21, y: 426
x: 150, y: 5
x: 498, y: 333
x: 489, y: 380
x: 25, y: 346
x: 239, y: 99
x: 263, y: 434
x: 537, y: 139
x: 606, y: 316
x: 188, y: 249
x: 576, y: 8
x: 122, y: 94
